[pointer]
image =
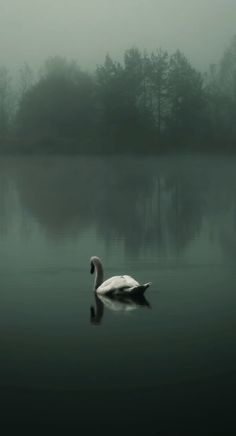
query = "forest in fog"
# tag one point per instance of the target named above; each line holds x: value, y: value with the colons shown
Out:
x: 149, y: 102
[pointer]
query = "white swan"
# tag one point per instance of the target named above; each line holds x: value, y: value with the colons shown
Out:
x: 118, y: 285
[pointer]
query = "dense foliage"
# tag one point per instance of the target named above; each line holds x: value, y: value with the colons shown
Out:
x: 148, y: 103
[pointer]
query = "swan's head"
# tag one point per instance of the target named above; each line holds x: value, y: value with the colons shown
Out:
x: 94, y: 262
x: 91, y: 267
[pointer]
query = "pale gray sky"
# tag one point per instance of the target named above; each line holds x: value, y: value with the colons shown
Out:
x: 85, y: 30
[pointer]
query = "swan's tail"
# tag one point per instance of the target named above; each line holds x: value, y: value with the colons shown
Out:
x: 139, y: 289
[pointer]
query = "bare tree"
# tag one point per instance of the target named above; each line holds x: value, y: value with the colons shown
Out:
x: 5, y: 101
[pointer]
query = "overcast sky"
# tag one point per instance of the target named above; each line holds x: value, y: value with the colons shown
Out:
x: 85, y: 30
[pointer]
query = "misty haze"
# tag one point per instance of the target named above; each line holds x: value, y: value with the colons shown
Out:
x: 118, y: 140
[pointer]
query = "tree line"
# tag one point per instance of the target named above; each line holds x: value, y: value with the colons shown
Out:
x: 149, y: 102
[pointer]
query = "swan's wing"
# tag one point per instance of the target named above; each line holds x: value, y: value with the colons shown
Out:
x: 117, y: 283
x: 130, y: 281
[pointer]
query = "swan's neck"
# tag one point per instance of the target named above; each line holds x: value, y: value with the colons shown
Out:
x: 98, y: 274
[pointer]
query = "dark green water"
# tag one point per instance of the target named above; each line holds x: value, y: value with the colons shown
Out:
x: 165, y: 367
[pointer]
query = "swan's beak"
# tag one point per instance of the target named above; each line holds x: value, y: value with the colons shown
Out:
x: 92, y: 268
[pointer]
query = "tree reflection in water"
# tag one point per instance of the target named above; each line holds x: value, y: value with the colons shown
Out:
x: 149, y: 204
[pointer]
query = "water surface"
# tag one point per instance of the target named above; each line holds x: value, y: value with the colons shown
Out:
x: 162, y: 366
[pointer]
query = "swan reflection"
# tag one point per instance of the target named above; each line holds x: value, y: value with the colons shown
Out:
x: 116, y: 303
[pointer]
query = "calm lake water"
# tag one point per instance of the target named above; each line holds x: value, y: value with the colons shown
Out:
x: 166, y: 366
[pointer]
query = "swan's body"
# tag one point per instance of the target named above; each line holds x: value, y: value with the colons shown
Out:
x: 117, y: 285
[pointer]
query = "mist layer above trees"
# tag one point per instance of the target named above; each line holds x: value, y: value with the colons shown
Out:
x: 148, y: 103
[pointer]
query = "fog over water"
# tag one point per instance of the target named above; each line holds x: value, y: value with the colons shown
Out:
x: 134, y: 163
x: 161, y: 365
x: 87, y: 30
